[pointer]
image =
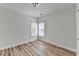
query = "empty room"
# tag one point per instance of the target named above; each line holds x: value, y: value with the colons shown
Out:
x: 37, y: 29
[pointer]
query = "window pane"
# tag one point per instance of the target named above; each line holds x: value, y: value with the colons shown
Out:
x: 34, y: 30
x: 41, y: 29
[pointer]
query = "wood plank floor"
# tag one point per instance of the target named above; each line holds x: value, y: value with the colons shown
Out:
x: 37, y: 48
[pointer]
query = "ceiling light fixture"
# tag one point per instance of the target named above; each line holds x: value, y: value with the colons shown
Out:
x: 35, y: 4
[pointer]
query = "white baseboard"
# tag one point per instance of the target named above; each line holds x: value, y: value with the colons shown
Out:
x: 17, y: 44
x: 34, y: 40
x: 48, y: 41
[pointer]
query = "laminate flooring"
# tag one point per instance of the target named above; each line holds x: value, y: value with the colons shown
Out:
x: 37, y: 48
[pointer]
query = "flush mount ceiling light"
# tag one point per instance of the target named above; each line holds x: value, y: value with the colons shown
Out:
x: 35, y: 4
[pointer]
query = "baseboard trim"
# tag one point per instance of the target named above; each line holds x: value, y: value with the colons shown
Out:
x: 17, y: 44
x: 40, y: 40
x: 72, y: 50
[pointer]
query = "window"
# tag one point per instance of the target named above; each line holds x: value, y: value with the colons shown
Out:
x: 41, y: 29
x: 34, y: 30
x: 38, y: 29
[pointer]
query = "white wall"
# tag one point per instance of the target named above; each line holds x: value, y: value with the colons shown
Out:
x: 77, y: 27
x: 60, y: 27
x: 77, y: 22
x: 14, y: 28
